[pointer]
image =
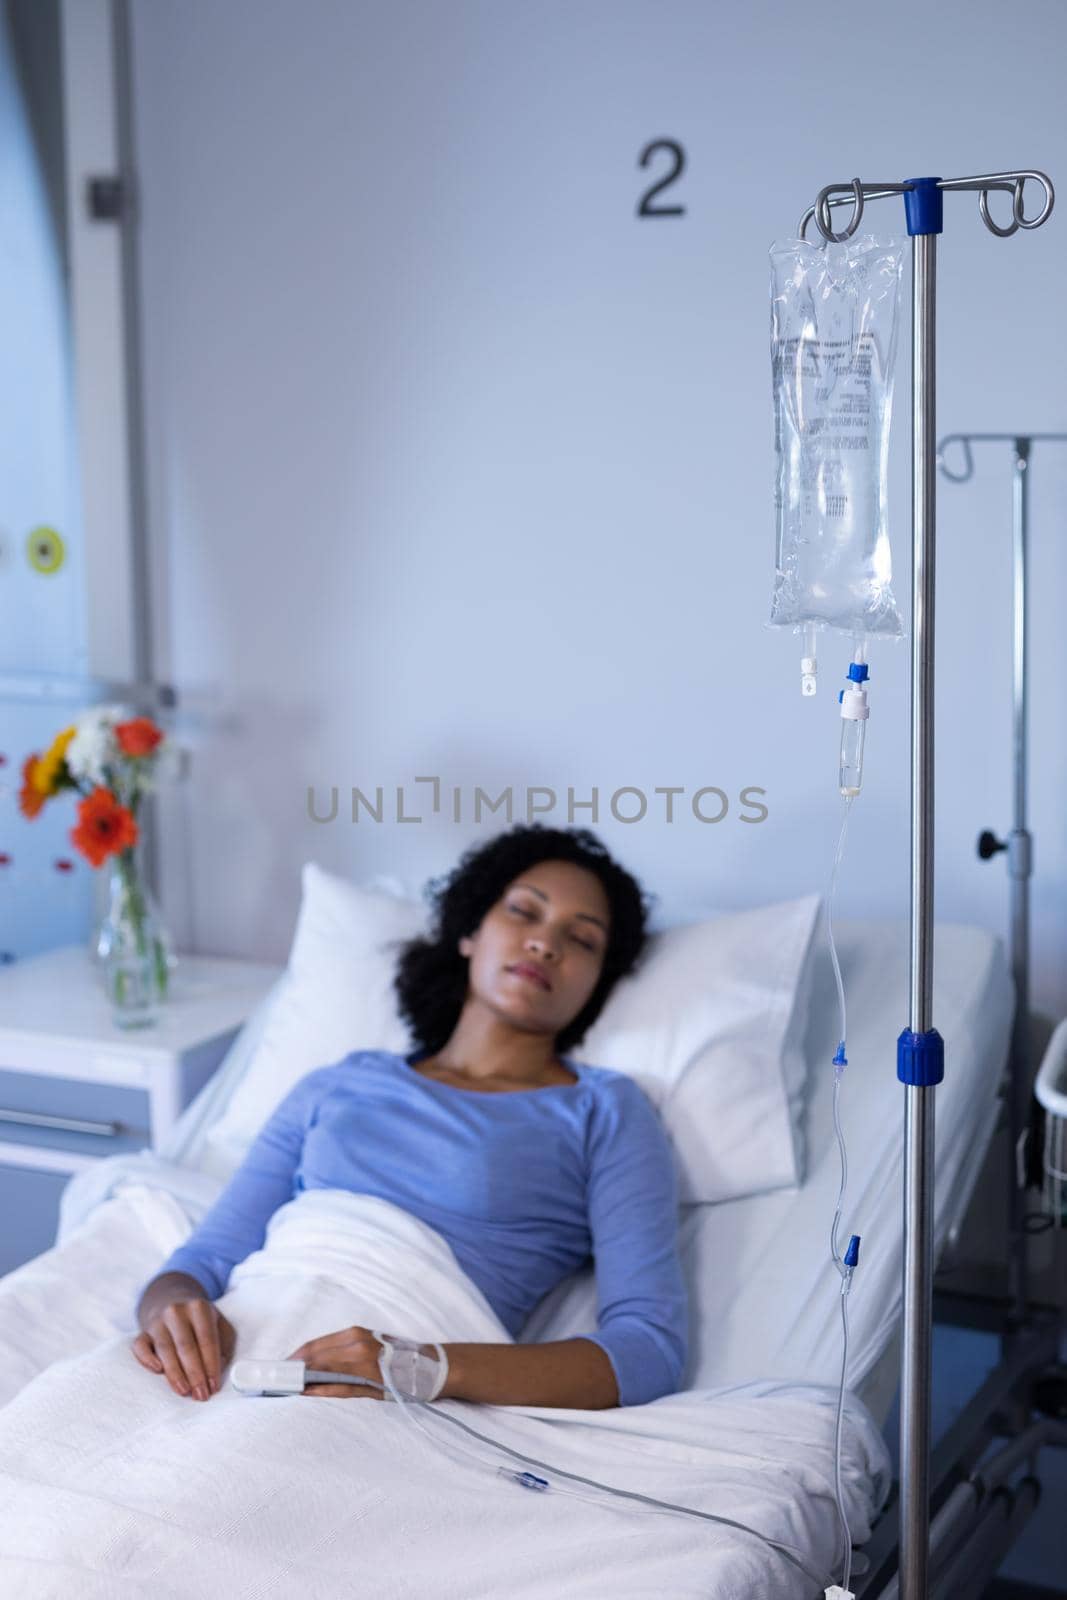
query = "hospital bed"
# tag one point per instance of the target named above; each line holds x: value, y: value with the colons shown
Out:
x: 766, y: 1330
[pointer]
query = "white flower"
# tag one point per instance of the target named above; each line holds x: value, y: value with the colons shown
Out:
x: 94, y: 745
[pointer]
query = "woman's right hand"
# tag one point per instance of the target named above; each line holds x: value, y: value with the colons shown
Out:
x: 189, y: 1341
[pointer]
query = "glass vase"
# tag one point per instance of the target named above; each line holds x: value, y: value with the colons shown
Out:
x: 132, y: 946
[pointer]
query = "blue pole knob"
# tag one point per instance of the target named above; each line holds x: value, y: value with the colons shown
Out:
x: 924, y: 206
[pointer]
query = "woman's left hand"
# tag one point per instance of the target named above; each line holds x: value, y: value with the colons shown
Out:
x: 353, y: 1350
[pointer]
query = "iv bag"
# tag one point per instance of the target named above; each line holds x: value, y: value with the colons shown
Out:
x: 834, y: 315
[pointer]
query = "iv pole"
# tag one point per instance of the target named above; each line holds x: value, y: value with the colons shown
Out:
x: 1018, y: 843
x: 920, y: 1048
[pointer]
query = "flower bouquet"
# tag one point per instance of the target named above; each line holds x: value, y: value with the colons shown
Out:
x: 112, y: 761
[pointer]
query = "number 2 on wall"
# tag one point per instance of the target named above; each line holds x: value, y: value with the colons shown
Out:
x: 644, y: 209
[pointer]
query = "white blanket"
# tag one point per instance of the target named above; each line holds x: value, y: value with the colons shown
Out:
x: 111, y: 1486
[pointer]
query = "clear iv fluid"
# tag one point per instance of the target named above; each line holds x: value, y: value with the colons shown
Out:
x: 855, y: 709
x: 851, y: 773
x: 834, y: 317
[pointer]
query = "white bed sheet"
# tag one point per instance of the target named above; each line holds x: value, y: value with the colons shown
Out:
x: 110, y: 1485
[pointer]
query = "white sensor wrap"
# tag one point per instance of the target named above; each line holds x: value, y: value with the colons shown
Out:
x: 418, y: 1376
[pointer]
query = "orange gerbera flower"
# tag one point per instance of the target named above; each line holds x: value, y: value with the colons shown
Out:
x: 138, y: 737
x: 31, y: 796
x: 104, y: 827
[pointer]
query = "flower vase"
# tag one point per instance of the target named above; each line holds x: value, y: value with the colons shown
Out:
x: 132, y: 946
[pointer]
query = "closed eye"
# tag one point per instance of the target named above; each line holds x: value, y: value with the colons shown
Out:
x: 585, y: 943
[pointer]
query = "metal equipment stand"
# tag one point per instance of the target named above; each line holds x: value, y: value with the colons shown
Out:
x: 920, y: 1049
x: 1018, y: 844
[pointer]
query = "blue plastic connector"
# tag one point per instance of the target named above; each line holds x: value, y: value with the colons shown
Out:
x: 530, y: 1480
x: 852, y: 1254
x: 841, y: 1060
x: 859, y: 671
x: 924, y: 206
x: 920, y: 1058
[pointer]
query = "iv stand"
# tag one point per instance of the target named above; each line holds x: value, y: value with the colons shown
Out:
x: 920, y: 1048
x: 1018, y: 844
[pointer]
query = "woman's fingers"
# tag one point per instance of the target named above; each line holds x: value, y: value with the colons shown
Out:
x: 343, y: 1391
x: 227, y: 1338
x: 183, y: 1321
x: 146, y: 1355
x: 188, y: 1349
x: 352, y: 1350
x: 204, y: 1319
x: 168, y: 1354
x: 355, y: 1338
x: 190, y: 1342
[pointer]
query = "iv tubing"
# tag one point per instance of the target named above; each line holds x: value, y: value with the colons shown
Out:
x: 408, y: 1406
x: 840, y: 1062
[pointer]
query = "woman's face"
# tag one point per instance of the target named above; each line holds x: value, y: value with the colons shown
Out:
x: 554, y: 919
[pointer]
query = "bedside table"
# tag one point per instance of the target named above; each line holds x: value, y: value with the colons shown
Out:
x: 74, y: 1087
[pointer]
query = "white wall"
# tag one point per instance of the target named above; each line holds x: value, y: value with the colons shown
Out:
x: 457, y: 467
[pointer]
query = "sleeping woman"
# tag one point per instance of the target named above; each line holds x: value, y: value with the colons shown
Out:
x: 526, y: 1161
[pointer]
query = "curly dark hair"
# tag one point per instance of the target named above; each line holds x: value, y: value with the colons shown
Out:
x: 431, y: 975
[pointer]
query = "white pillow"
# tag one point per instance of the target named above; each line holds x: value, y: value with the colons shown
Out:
x: 337, y: 996
x: 711, y: 1026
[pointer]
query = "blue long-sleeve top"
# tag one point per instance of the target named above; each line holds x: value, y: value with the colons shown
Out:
x: 526, y: 1186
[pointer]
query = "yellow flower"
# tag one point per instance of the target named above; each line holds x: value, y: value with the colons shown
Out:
x: 44, y: 774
